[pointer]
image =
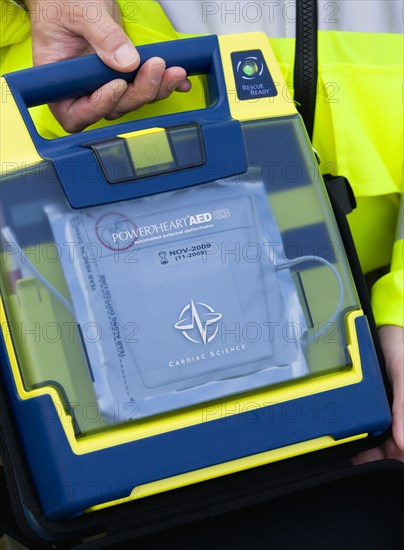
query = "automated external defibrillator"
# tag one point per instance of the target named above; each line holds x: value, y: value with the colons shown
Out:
x: 176, y: 300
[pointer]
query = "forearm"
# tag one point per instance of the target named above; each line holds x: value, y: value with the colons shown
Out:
x: 388, y: 292
x: 388, y: 305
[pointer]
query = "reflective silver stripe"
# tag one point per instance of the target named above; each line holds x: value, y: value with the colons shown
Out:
x: 362, y: 15
x: 20, y: 4
x: 277, y: 17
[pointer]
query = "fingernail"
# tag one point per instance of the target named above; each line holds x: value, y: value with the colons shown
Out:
x: 125, y: 55
x: 174, y: 84
x: 157, y: 71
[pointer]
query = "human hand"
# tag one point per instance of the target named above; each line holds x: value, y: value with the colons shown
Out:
x: 62, y: 29
x: 392, y: 341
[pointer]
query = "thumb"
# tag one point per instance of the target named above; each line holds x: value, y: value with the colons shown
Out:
x: 109, y: 41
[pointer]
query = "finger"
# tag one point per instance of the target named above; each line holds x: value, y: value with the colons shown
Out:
x: 184, y: 86
x: 391, y: 449
x: 108, y: 39
x: 143, y: 90
x: 75, y: 115
x: 397, y: 378
x: 174, y: 79
x: 398, y: 418
x: 368, y: 456
x: 150, y: 85
x: 391, y: 338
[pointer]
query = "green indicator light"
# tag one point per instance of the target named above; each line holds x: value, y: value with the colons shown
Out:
x: 249, y: 67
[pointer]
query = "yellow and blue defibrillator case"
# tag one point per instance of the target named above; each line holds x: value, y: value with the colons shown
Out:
x: 177, y: 304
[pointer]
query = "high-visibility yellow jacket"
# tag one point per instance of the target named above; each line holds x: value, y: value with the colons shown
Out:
x: 358, y: 126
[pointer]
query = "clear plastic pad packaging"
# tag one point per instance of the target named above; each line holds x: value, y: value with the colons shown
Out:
x: 179, y: 297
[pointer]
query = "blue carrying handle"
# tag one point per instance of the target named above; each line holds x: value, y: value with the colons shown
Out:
x: 223, y: 139
x: 83, y: 75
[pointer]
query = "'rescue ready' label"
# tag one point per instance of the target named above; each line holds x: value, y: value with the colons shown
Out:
x: 252, y: 77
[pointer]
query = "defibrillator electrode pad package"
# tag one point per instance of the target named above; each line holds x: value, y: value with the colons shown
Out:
x: 163, y: 293
x: 176, y: 299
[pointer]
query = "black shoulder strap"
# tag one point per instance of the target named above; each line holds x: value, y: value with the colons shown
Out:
x: 305, y: 70
x: 339, y: 187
